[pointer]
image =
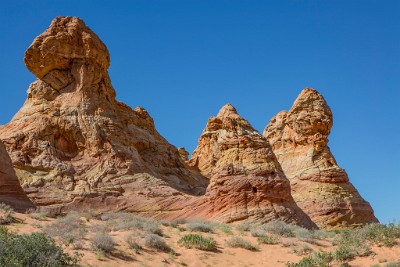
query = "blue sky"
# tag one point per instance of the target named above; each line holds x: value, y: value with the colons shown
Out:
x: 183, y: 60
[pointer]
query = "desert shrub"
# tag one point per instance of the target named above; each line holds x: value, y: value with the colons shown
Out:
x: 127, y: 221
x: 267, y: 239
x: 354, y: 240
x: 34, y: 250
x: 319, y: 259
x: 100, y: 228
x: 343, y: 253
x: 198, y: 241
x: 6, y: 214
x: 305, y: 235
x: 179, y: 221
x: 156, y: 242
x: 199, y: 226
x: 237, y: 242
x: 302, y: 249
x: 37, y: 214
x: 257, y: 231
x: 69, y: 228
x: 165, y: 223
x: 132, y: 241
x: 362, y: 238
x: 223, y: 228
x: 103, y: 242
x: 392, y: 264
x: 244, y: 227
x: 281, y: 229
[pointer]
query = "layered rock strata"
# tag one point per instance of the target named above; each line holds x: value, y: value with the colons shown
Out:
x: 73, y: 144
x: 246, y: 180
x: 299, y: 139
x: 11, y: 192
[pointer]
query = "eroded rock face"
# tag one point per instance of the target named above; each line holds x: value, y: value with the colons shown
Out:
x: 73, y: 145
x: 299, y: 138
x: 246, y: 180
x: 11, y: 192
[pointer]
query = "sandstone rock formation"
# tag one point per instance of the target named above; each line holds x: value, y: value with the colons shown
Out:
x: 73, y: 144
x: 246, y: 180
x: 299, y: 138
x: 11, y: 192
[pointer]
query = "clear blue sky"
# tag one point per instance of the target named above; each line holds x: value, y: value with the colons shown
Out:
x: 183, y: 60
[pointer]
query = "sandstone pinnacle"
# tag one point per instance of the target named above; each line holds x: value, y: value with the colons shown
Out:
x: 299, y: 139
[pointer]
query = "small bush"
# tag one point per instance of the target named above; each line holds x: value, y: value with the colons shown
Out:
x: 198, y: 241
x: 127, y: 221
x: 343, y: 253
x: 267, y: 239
x: 199, y: 226
x: 304, y: 235
x: 103, y: 242
x: 244, y: 227
x: 237, y: 242
x: 133, y: 244
x: 6, y: 214
x: 69, y: 228
x: 392, y: 264
x: 32, y: 250
x: 179, y: 221
x: 319, y: 259
x: 257, y: 231
x: 281, y: 229
x: 156, y: 242
x: 223, y: 227
x: 303, y: 249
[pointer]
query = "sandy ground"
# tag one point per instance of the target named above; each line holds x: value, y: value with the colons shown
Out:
x: 268, y: 255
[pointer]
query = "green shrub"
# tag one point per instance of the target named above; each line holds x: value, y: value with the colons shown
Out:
x: 156, y: 242
x: 34, y: 250
x: 343, y: 253
x: 237, y: 242
x: 198, y: 241
x: 103, y: 242
x: 392, y: 264
x: 224, y: 228
x: 319, y: 259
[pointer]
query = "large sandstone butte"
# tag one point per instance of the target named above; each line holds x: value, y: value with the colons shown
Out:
x: 73, y: 145
x: 299, y: 138
x: 11, y: 192
x: 246, y: 180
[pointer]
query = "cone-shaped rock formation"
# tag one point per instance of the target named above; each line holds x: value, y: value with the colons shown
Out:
x: 11, y: 192
x: 246, y: 180
x: 72, y: 142
x: 299, y: 139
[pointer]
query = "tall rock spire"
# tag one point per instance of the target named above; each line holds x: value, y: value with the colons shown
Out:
x: 299, y: 139
x: 74, y: 145
x: 246, y: 180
